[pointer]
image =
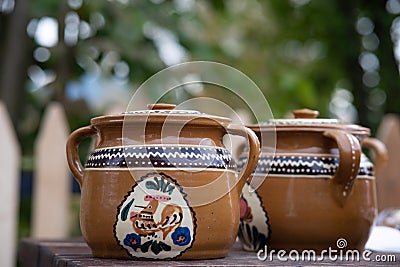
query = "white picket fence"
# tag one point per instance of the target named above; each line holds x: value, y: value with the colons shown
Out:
x: 9, y: 189
x: 51, y: 187
x: 50, y: 210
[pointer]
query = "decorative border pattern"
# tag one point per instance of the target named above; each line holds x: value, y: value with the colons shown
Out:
x: 161, y: 156
x: 301, y: 122
x: 163, y: 111
x: 304, y: 165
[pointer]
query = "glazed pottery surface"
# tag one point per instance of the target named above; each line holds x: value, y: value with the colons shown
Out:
x: 173, y: 195
x: 317, y: 188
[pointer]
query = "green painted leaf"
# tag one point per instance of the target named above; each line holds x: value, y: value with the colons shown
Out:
x: 170, y: 189
x: 151, y: 185
x: 164, y: 246
x: 125, y: 210
x: 156, y: 248
x: 145, y: 247
x: 161, y: 184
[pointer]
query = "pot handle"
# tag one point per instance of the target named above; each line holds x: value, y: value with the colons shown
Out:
x: 254, y: 152
x: 73, y: 142
x: 380, y: 151
x: 349, y: 163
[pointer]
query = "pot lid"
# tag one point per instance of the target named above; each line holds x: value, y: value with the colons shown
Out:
x: 306, y: 119
x: 163, y: 108
x: 162, y: 112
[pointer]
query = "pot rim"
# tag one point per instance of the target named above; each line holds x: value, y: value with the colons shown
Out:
x: 304, y: 127
x: 306, y: 120
x: 161, y: 113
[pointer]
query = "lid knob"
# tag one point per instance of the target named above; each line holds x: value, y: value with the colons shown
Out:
x: 163, y: 106
x: 305, y: 113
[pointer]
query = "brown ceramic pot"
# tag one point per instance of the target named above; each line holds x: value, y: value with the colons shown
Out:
x: 318, y: 189
x: 160, y: 184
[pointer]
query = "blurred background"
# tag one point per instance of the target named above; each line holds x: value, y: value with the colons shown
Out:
x: 339, y: 57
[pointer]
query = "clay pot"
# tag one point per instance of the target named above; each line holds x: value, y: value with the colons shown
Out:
x: 318, y: 189
x: 160, y: 184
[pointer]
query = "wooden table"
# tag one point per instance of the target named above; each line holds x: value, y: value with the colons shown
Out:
x: 75, y: 252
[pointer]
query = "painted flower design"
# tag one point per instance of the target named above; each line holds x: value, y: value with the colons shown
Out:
x: 245, y: 211
x: 181, y: 236
x: 132, y: 240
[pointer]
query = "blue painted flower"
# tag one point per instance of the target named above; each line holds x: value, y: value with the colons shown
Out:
x: 181, y: 236
x: 132, y: 240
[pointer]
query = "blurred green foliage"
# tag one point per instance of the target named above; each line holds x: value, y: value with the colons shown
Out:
x: 297, y: 51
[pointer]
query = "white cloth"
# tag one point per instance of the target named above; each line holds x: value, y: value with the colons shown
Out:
x: 384, y: 239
